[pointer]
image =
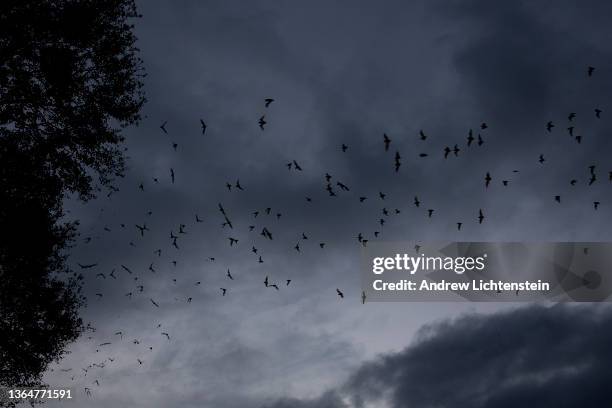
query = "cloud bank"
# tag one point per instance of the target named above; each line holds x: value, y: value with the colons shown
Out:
x: 535, y: 356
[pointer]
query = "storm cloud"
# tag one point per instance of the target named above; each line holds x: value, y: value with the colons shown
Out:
x: 544, y: 356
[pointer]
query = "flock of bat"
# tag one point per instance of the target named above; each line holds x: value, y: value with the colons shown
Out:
x: 332, y: 188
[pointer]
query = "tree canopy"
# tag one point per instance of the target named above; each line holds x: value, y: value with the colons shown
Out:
x: 70, y: 81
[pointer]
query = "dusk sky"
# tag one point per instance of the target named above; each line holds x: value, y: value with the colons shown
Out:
x: 345, y: 72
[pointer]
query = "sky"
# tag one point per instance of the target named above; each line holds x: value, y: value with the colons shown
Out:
x: 344, y: 72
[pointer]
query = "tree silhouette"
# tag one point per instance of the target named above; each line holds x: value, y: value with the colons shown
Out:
x: 70, y: 81
x: 39, y: 299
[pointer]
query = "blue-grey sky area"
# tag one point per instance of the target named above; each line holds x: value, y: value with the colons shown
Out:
x: 345, y: 72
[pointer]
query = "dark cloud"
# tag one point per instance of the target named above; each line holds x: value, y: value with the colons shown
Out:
x: 540, y: 356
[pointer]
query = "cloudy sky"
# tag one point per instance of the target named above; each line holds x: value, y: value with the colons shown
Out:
x: 345, y: 72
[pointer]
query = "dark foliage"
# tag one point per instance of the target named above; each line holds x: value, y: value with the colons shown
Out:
x: 70, y: 80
